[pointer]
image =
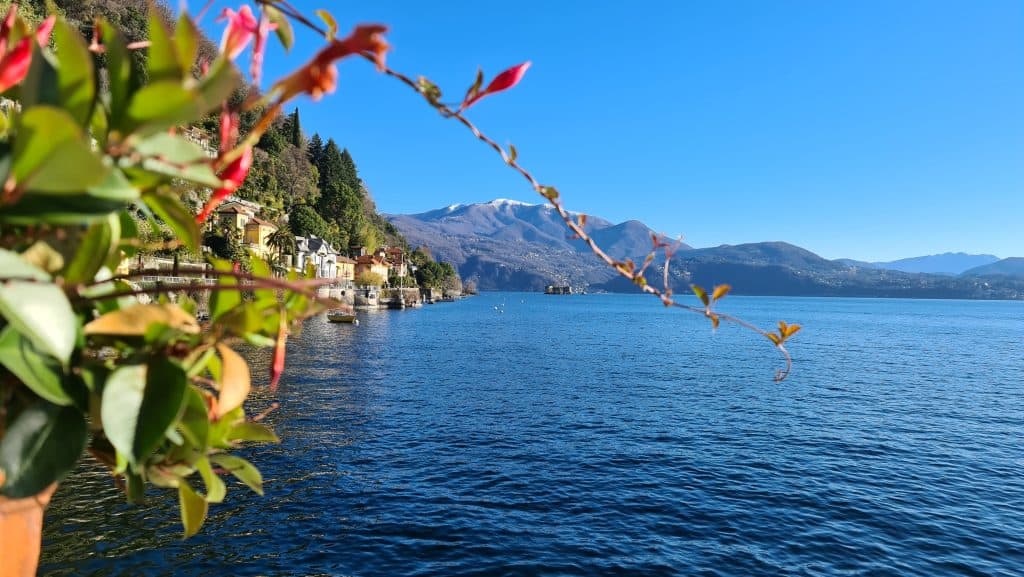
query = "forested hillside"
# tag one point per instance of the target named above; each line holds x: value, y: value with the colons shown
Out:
x: 312, y: 185
x: 317, y: 185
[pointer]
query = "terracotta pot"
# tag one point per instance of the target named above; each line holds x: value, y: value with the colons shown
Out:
x: 21, y: 531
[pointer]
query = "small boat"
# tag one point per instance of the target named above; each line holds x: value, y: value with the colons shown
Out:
x: 342, y: 317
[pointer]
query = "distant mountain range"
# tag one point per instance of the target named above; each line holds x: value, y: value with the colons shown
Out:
x: 950, y: 263
x: 511, y: 245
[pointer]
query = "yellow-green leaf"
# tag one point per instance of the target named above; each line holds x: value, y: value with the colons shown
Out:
x: 243, y: 470
x: 332, y: 24
x: 135, y: 320
x: 235, y: 381
x: 249, y: 431
x: 284, y: 26
x: 215, y: 488
x: 701, y: 294
x: 720, y: 291
x: 193, y: 509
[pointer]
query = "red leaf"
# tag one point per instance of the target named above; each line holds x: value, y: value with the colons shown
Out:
x: 277, y: 367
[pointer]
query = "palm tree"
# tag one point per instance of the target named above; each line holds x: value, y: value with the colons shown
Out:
x: 283, y: 240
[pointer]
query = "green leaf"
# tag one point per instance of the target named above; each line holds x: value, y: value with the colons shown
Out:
x: 39, y: 448
x: 284, y: 26
x: 250, y: 431
x: 38, y: 310
x: 136, y: 487
x: 265, y: 298
x: 171, y: 148
x: 120, y: 77
x: 68, y: 210
x: 99, y: 127
x: 41, y: 85
x: 195, y: 423
x: 115, y: 187
x: 94, y: 250
x: 186, y: 41
x: 199, y: 173
x: 160, y: 105
x: 39, y: 372
x: 243, y: 470
x: 215, y: 489
x: 223, y: 301
x: 140, y: 404
x: 52, y: 155
x: 193, y: 509
x: 218, y: 84
x: 162, y: 57
x: 170, y: 209
x: 129, y: 231
x: 75, y: 77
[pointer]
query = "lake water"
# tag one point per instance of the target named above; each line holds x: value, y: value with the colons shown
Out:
x: 524, y: 434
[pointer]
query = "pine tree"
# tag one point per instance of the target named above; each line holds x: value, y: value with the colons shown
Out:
x: 331, y: 167
x: 350, y: 175
x: 315, y: 150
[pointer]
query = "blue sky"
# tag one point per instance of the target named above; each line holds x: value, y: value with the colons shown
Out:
x: 865, y: 129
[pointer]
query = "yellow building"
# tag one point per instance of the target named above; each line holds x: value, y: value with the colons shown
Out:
x: 346, y: 269
x: 234, y: 215
x: 370, y: 263
x: 257, y: 231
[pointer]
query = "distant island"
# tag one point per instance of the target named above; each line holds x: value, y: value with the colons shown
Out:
x: 511, y: 245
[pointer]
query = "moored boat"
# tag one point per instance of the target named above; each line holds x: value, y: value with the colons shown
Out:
x: 342, y: 317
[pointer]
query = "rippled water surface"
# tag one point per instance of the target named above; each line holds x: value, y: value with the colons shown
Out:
x: 524, y: 434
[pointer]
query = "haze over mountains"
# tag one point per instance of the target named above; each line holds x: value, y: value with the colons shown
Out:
x: 950, y: 263
x: 511, y: 245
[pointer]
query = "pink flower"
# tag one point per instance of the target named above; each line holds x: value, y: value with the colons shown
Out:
x: 14, y: 64
x: 503, y: 81
x: 260, y: 48
x: 229, y: 122
x: 231, y: 177
x: 242, y: 26
x: 44, y: 30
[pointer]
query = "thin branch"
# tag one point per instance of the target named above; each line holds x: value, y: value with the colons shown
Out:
x: 168, y: 288
x: 551, y: 195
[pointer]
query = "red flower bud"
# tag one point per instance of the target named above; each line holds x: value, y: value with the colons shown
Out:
x: 320, y: 76
x: 231, y: 178
x: 503, y: 81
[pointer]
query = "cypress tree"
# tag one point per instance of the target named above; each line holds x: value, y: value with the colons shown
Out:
x: 296, y: 135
